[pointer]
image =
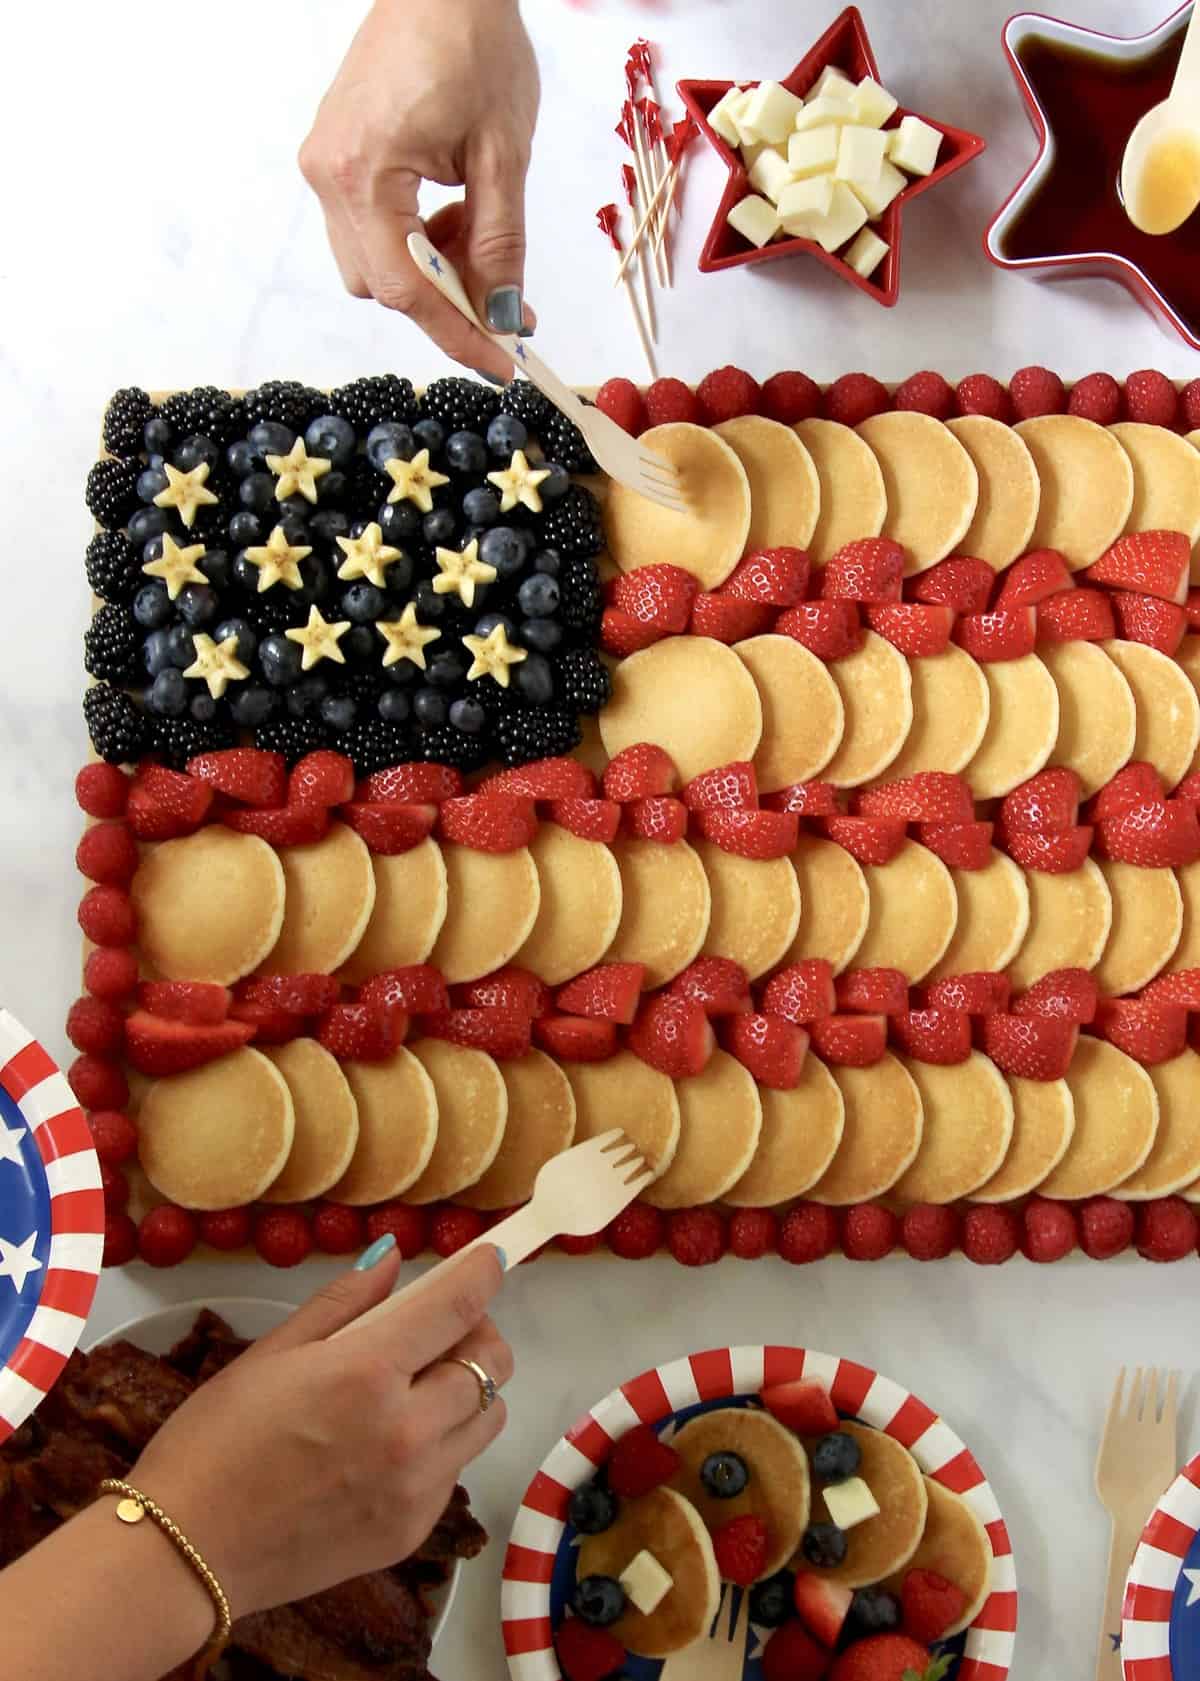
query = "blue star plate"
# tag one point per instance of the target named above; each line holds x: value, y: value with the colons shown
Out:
x: 1160, y: 1635
x: 51, y: 1223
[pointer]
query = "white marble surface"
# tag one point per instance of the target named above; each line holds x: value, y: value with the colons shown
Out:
x: 155, y: 230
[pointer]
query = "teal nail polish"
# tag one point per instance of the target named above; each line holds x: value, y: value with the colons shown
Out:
x: 491, y: 378
x: 502, y: 1258
x: 505, y: 311
x: 371, y: 1257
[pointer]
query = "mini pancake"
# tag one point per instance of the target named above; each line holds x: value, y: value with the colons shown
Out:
x: 1116, y: 1118
x: 579, y: 906
x: 931, y: 484
x: 689, y: 695
x: 881, y: 1136
x: 1087, y: 486
x: 665, y: 906
x: 802, y: 714
x: 1097, y: 723
x: 993, y: 918
x: 710, y: 538
x: 1022, y: 728
x: 1009, y: 490
x: 326, y: 1118
x: 1043, y: 1125
x: 541, y: 1124
x: 835, y: 904
x: 967, y: 1133
x: 330, y: 897
x: 914, y: 912
x: 410, y: 907
x: 1187, y: 953
x: 876, y: 691
x: 1166, y: 479
x: 1168, y: 712
x: 755, y: 908
x: 624, y: 1091
x: 668, y: 1526
x: 209, y: 906
x: 951, y: 702
x: 954, y: 1546
x: 1069, y: 920
x: 853, y: 498
x: 397, y: 1129
x: 1174, y: 1162
x: 492, y: 901
x: 217, y: 1136
x: 720, y: 1118
x: 885, y: 1543
x: 1147, y: 920
x: 801, y: 1131
x: 1188, y: 661
x: 785, y: 492
x: 779, y: 1487
x: 472, y: 1106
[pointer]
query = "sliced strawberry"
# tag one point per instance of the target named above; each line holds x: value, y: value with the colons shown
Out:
x: 576, y: 1038
x: 162, y: 1045
x: 659, y: 596
x: 1063, y: 994
x: 1008, y: 633
x: 930, y: 1605
x: 504, y: 1034
x: 1048, y: 802
x: 390, y: 829
x: 1138, y: 783
x: 1032, y: 1047
x: 510, y: 988
x: 611, y: 991
x: 870, y: 569
x: 164, y: 804
x: 272, y: 1026
x: 660, y: 818
x: 416, y: 783
x: 299, y: 995
x: 1189, y: 789
x: 850, y: 1041
x: 1041, y: 573
x: 1056, y: 854
x: 871, y: 992
x: 931, y: 796
x: 362, y: 1032
x: 770, y: 1048
x: 286, y: 825
x: 639, y: 772
x: 673, y: 1035
x: 872, y: 840
x: 803, y: 992
x: 919, y: 629
x: 804, y: 1405
x: 1183, y: 987
x: 1148, y: 563
x: 202, y: 1003
x: 247, y: 774
x: 933, y: 1035
x: 621, y: 634
x: 730, y: 787
x: 752, y: 834
x: 593, y: 820
x: 640, y: 1462
x: 322, y: 778
x: 1160, y: 834
x: 1078, y: 615
x: 488, y: 822
x: 806, y: 799
x: 726, y: 618
x: 719, y: 985
x: 1191, y: 608
x: 740, y: 1548
x: 828, y: 629
x: 962, y: 583
x: 1149, y: 1031
x: 960, y: 846
x: 1150, y: 620
x: 770, y: 577
x: 822, y: 1606
x: 977, y: 992
x: 415, y: 988
x: 560, y: 778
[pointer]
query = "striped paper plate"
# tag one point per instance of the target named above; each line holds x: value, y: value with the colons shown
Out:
x: 1160, y: 1632
x: 539, y: 1566
x: 51, y: 1223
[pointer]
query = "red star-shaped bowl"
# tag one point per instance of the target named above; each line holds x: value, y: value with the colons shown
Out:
x: 845, y: 45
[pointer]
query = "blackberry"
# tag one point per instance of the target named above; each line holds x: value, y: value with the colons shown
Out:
x: 208, y: 410
x: 526, y: 403
x: 448, y: 746
x: 111, y: 644
x: 111, y: 492
x: 367, y: 402
x: 124, y: 418
x: 363, y: 687
x: 539, y: 732
x: 461, y: 405
x: 371, y: 744
x: 562, y: 441
x: 286, y: 401
x: 114, y: 567
x: 276, y: 609
x: 582, y: 680
x: 180, y: 739
x: 117, y: 728
x: 293, y: 737
x: 580, y: 601
x: 366, y: 490
x: 573, y: 526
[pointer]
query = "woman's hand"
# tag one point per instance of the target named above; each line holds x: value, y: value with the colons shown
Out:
x: 307, y: 1462
x: 437, y: 90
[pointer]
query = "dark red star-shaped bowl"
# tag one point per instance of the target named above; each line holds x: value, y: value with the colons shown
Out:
x: 845, y: 45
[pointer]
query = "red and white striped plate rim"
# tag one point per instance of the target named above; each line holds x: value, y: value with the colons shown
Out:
x: 68, y: 1283
x: 721, y: 1374
x: 1154, y: 1576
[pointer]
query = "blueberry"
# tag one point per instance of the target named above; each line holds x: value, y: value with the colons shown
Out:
x: 246, y: 529
x: 203, y: 708
x: 429, y: 707
x: 358, y: 527
x: 446, y: 671
x: 247, y: 642
x: 468, y: 716
x: 147, y: 523
x: 158, y: 462
x: 332, y: 488
x: 404, y: 671
x: 167, y: 695
x: 317, y: 578
x: 245, y: 572
x: 431, y: 607
x: 271, y: 437
x: 836, y: 1457
x: 241, y: 458
x: 487, y: 622
x: 505, y: 434
x: 394, y: 706
x: 548, y: 561
x: 556, y: 484
x: 362, y: 603
x: 197, y: 605
x: 280, y: 660
x: 196, y: 451
x: 152, y: 550
x: 538, y: 596
x: 294, y: 524
x: 599, y: 1600
x: 466, y: 452
x: 257, y: 492
x: 542, y: 635
x: 481, y: 506
x: 338, y: 712
x: 398, y: 521
x: 399, y: 575
x: 252, y: 705
x: 179, y: 639
x: 152, y: 605
x: 391, y: 440
x: 150, y: 483
x: 874, y: 1611
x: 306, y: 694
x: 156, y: 652
x: 535, y: 679
x: 504, y: 548
x: 824, y: 1545
x: 724, y: 1475
x: 156, y: 434
x: 331, y: 436
x: 430, y: 435
x: 593, y: 1509
x: 362, y: 643
x: 328, y: 524
x: 771, y: 1601
x: 437, y: 528
x: 216, y: 567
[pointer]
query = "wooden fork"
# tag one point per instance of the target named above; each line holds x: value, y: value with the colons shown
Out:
x: 1136, y: 1463
x: 722, y: 1657
x: 621, y: 456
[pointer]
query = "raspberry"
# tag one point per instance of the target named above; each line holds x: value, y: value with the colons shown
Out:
x: 808, y: 1232
x: 580, y: 1245
x: 1151, y: 398
x: 925, y: 393
x: 113, y: 1135
x: 991, y: 1236
x: 670, y: 400
x: 752, y: 1233
x: 1036, y: 391
x: 929, y: 1232
x: 102, y: 790
x: 636, y: 1232
x: 282, y: 1237
x: 1096, y: 397
x: 120, y: 1239
x: 621, y: 401
x: 225, y: 1228
x: 981, y: 394
x: 115, y: 1187
x: 1050, y: 1231
x: 95, y: 1025
x: 856, y: 397
x: 106, y: 916
x: 1166, y: 1230
x: 696, y: 1236
x: 98, y: 1084
x: 108, y: 854
x: 1189, y: 406
x: 727, y: 393
x: 409, y: 1226
x: 789, y: 397
x: 337, y: 1229
x: 451, y: 1229
x: 166, y: 1236
x: 1105, y: 1228
x: 110, y: 972
x: 869, y: 1232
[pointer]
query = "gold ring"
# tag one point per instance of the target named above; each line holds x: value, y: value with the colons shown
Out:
x: 487, y: 1386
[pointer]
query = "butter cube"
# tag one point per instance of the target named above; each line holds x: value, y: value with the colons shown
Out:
x: 803, y: 203
x: 720, y: 118
x: 645, y: 1582
x: 866, y: 253
x: 756, y: 219
x: 860, y: 154
x: 850, y: 1503
x: 824, y: 110
x: 871, y: 104
x: 813, y: 152
x: 878, y: 194
x: 770, y: 173
x: 747, y: 135
x: 914, y: 145
x: 832, y: 81
x: 752, y: 152
x: 846, y: 214
x: 770, y: 112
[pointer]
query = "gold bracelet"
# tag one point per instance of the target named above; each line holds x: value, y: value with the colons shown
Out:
x: 132, y: 1507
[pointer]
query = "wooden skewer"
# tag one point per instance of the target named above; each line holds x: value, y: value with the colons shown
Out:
x: 642, y: 163
x: 607, y: 219
x: 634, y: 201
x: 667, y: 184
